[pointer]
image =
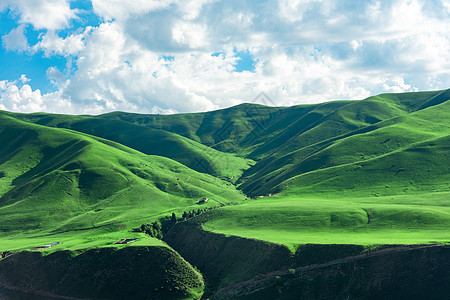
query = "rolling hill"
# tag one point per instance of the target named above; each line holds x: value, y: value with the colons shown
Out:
x: 149, y: 141
x: 342, y: 174
x: 390, y: 155
x: 59, y: 179
x: 286, y: 142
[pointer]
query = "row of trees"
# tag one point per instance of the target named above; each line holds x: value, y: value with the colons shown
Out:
x: 157, y: 229
x: 154, y: 229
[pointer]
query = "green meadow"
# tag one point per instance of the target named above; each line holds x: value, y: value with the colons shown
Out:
x: 294, y: 220
x: 77, y: 241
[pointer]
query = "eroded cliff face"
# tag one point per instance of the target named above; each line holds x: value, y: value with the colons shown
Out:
x: 236, y: 267
x: 228, y: 260
x: 225, y: 260
x: 106, y: 273
x: 416, y: 272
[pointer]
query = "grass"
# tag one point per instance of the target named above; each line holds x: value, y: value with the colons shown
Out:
x: 57, y: 181
x: 293, y: 220
x: 397, y: 151
x: 77, y: 241
x: 150, y: 141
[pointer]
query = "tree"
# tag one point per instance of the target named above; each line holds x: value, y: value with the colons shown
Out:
x: 173, y: 218
x: 156, y: 226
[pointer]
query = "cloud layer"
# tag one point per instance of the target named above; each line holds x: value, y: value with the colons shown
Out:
x: 181, y: 56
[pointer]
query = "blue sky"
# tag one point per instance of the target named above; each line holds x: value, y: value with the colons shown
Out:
x: 166, y: 56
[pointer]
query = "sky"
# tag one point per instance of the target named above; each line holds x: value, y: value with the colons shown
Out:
x: 171, y: 56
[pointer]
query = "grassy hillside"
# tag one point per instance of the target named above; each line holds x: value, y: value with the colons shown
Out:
x: 256, y: 131
x: 287, y: 142
x: 291, y: 142
x: 149, y: 141
x: 331, y: 219
x: 57, y: 180
x: 345, y: 172
x: 391, y: 156
x: 225, y: 130
x: 384, y: 183
x: 343, y: 175
x: 391, y: 144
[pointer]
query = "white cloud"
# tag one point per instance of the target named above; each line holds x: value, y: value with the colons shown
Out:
x: 294, y: 10
x: 156, y: 56
x: 398, y: 85
x: 43, y: 14
x: 56, y: 77
x: 119, y: 9
x: 51, y: 43
x: 192, y: 35
x: 15, y: 40
x: 23, y: 79
x: 22, y: 99
x: 18, y: 96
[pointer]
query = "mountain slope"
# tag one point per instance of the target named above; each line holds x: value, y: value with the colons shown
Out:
x: 59, y: 178
x: 287, y: 141
x: 256, y: 131
x: 149, y: 141
x: 397, y: 150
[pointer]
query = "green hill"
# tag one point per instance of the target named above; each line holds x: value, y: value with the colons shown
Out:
x: 256, y: 131
x: 387, y: 157
x: 149, y: 141
x: 58, y: 180
x: 291, y: 142
x: 226, y: 130
x: 391, y: 144
x: 286, y: 142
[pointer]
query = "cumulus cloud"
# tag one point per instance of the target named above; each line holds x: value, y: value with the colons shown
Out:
x: 19, y: 96
x: 166, y: 56
x: 42, y: 14
x: 22, y: 99
x: 56, y: 77
x: 116, y: 74
x: 191, y: 35
x: 51, y: 43
x: 15, y: 40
